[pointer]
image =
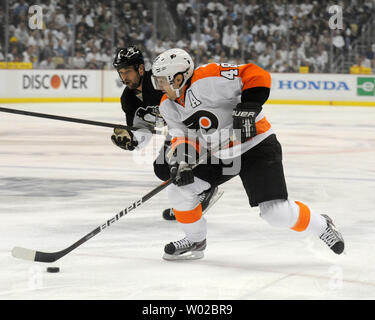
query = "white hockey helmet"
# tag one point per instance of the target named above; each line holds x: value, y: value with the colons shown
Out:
x: 169, y: 64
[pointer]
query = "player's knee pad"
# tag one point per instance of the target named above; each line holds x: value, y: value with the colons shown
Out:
x: 279, y: 213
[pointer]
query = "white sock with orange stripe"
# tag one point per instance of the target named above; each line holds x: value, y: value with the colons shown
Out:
x: 309, y: 221
x: 292, y: 214
x: 196, y: 231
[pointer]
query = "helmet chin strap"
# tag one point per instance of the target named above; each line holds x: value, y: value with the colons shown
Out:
x: 177, y: 92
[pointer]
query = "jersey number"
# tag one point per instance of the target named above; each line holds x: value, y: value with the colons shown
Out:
x: 229, y: 73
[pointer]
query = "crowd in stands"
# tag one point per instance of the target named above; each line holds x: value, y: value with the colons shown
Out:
x: 278, y: 35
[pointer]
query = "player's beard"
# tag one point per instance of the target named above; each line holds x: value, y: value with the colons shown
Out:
x: 135, y: 85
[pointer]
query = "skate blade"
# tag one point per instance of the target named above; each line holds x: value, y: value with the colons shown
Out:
x: 214, y: 199
x: 191, y: 255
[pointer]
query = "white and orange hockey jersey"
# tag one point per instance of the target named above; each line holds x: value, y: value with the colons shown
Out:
x: 207, y: 104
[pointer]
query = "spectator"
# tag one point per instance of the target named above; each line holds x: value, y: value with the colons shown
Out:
x: 13, y: 54
x: 363, y: 61
x: 29, y: 55
x: 209, y: 23
x: 20, y: 10
x: 264, y: 60
x: 60, y: 17
x: 21, y: 33
x: 47, y: 64
x: 260, y: 26
x: 182, y: 6
x: 159, y: 48
x: 93, y: 55
x: 60, y: 50
x: 338, y: 41
x: 78, y: 61
x: 230, y: 41
x: 257, y: 45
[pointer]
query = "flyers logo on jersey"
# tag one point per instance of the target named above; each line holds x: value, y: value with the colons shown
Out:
x: 202, y: 120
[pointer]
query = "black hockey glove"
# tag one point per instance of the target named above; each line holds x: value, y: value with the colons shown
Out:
x: 180, y: 163
x: 124, y: 139
x: 244, y: 115
x: 183, y: 173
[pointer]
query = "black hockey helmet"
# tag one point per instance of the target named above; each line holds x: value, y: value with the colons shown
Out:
x: 130, y: 56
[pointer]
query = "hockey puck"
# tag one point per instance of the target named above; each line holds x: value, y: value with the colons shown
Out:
x: 53, y: 269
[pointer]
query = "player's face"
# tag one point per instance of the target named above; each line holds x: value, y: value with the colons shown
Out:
x: 130, y: 76
x: 160, y: 83
x: 174, y: 93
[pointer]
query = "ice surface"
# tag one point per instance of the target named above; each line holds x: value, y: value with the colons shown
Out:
x: 59, y: 181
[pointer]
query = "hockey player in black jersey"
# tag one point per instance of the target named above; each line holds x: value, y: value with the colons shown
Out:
x: 139, y: 100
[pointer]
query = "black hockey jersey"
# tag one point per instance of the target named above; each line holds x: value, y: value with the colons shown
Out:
x: 142, y: 108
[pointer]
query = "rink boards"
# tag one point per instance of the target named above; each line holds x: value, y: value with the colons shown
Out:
x: 105, y: 86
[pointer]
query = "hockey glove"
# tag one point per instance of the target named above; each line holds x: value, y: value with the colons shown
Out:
x: 180, y: 160
x: 124, y: 139
x: 183, y: 174
x: 244, y: 115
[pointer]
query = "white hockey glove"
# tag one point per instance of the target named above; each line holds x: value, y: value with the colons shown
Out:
x: 124, y: 139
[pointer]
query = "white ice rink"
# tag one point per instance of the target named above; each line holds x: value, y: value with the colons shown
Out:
x: 59, y: 181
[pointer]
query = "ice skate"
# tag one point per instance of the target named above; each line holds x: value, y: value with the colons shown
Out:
x: 332, y: 237
x: 207, y: 198
x: 184, y: 249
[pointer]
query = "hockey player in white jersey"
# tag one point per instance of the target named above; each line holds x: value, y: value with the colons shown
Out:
x: 207, y: 107
x: 140, y: 102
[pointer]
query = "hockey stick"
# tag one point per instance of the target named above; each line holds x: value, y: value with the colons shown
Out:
x: 68, y: 119
x: 33, y: 255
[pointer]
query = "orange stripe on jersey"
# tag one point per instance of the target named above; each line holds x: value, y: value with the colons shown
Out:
x: 262, y: 125
x: 180, y: 99
x: 180, y: 140
x: 254, y: 76
x: 163, y: 98
x: 189, y: 216
x: 209, y: 70
x: 250, y: 74
x: 303, y: 219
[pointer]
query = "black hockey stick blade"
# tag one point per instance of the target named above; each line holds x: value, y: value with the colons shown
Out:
x: 33, y: 255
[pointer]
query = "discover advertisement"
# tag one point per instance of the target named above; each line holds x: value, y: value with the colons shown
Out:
x: 51, y: 84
